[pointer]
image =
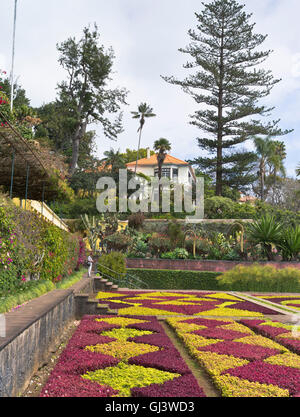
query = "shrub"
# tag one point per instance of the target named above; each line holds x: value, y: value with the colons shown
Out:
x: 260, y: 278
x: 267, y: 232
x: 159, y: 244
x: 225, y: 208
x: 31, y: 247
x: 290, y: 243
x: 175, y: 234
x: 136, y: 220
x: 112, y: 264
x: 138, y: 249
x: 118, y: 241
x: 178, y: 253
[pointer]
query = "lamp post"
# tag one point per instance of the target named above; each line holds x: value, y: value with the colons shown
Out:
x: 13, y: 59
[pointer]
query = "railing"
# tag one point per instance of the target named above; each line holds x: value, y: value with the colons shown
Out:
x: 44, y: 210
x: 124, y: 280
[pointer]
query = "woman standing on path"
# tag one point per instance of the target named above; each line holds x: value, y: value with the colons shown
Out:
x: 90, y: 264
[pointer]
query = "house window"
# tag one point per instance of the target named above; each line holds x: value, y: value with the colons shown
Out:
x: 175, y: 172
x: 165, y: 172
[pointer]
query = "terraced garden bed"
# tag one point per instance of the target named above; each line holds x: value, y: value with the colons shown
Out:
x: 182, y: 303
x: 179, y: 344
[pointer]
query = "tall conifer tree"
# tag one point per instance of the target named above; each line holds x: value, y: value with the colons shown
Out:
x: 227, y: 84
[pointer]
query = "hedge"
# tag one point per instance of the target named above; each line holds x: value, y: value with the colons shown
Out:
x: 158, y: 279
x: 259, y: 278
x: 253, y: 278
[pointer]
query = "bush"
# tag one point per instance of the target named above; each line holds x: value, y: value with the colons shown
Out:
x: 178, y: 253
x: 175, y: 234
x: 266, y: 232
x: 30, y: 247
x: 290, y: 243
x: 112, y: 264
x: 139, y: 249
x: 136, y: 221
x: 260, y: 278
x: 159, y: 279
x: 159, y: 244
x: 225, y: 208
x: 118, y: 242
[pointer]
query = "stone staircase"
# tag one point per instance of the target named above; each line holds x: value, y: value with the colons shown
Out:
x: 86, y: 304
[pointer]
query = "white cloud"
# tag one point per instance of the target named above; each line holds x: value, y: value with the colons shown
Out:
x: 146, y: 37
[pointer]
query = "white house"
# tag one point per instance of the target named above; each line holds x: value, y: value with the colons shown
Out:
x: 173, y: 168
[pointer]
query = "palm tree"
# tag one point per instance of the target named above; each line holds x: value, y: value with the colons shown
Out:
x: 161, y: 145
x: 278, y: 155
x: 144, y: 111
x: 264, y: 149
x: 113, y: 160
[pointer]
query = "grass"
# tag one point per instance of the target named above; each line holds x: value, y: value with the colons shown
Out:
x: 68, y: 282
x: 35, y: 289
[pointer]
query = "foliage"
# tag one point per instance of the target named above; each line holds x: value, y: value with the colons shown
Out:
x: 117, y: 242
x: 175, y: 233
x: 260, y: 278
x: 31, y: 248
x: 131, y: 155
x: 143, y: 112
x: 138, y: 249
x: 71, y: 280
x: 178, y: 253
x: 136, y: 220
x: 95, y: 230
x: 112, y: 264
x: 84, y: 96
x: 23, y: 293
x: 159, y: 244
x: 223, y: 248
x: 267, y: 232
x: 177, y: 280
x: 290, y: 243
x: 225, y: 208
x: 229, y: 86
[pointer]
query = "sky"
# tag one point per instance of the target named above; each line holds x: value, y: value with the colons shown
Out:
x: 145, y: 36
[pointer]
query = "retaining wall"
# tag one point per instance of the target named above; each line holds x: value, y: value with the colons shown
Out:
x: 31, y: 332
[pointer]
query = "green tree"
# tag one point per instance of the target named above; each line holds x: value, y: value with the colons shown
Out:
x: 84, y: 96
x: 263, y: 148
x: 144, y: 111
x: 113, y: 160
x: 131, y: 155
x: 224, y: 56
x: 271, y: 155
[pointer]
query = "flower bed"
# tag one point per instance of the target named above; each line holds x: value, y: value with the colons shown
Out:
x: 287, y: 300
x: 285, y: 334
x: 121, y: 356
x: 240, y: 363
x: 179, y: 303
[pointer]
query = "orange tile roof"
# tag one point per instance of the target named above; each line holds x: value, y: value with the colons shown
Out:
x: 153, y: 161
x: 247, y: 198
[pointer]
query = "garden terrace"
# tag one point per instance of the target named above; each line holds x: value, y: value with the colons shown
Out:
x: 220, y: 344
